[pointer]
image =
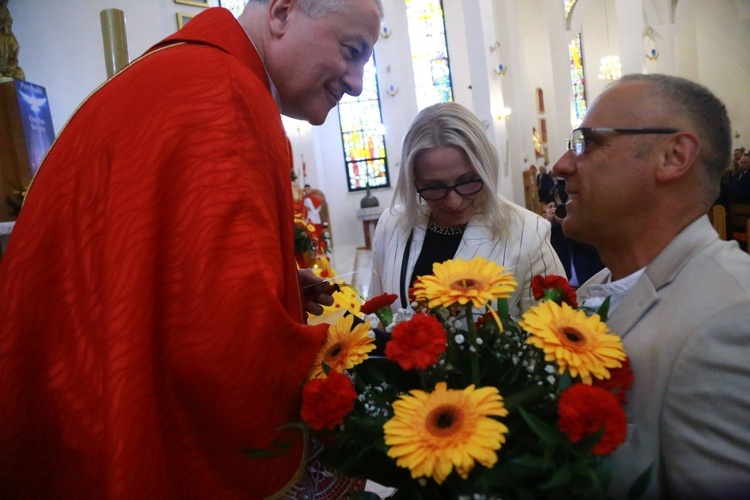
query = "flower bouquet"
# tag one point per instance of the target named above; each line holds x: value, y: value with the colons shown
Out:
x: 467, y: 401
x: 309, y: 245
x: 305, y: 243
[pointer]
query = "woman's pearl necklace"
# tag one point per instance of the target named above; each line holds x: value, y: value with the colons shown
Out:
x: 445, y: 230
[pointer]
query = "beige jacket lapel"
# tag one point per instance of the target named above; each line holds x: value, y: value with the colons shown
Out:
x: 660, y: 273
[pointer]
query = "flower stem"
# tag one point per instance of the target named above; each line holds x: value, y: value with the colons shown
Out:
x: 471, y: 334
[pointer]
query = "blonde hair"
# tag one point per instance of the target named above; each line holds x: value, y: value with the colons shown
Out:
x: 451, y: 125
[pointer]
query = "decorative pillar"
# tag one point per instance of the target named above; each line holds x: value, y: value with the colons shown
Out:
x: 115, y: 40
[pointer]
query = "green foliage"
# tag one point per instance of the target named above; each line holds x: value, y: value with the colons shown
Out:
x: 537, y: 461
x: 303, y: 242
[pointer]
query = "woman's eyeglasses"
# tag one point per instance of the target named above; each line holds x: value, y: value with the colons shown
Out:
x: 465, y: 188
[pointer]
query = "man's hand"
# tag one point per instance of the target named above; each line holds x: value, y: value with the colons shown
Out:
x: 316, y: 292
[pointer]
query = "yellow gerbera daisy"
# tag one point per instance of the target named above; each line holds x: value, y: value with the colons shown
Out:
x: 431, y: 433
x: 347, y: 298
x: 323, y: 267
x: 344, y: 348
x: 577, y: 342
x: 459, y: 281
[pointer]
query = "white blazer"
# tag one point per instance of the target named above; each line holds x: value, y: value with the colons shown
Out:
x: 526, y: 252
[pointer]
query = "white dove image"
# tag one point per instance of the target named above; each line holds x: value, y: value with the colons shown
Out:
x: 35, y: 102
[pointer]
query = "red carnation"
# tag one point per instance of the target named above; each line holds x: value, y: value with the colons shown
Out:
x: 375, y: 303
x: 554, y: 288
x: 584, y: 409
x: 620, y: 380
x: 326, y: 401
x: 417, y: 343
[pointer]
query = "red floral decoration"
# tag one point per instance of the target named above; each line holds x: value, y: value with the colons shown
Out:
x: 375, y: 303
x: 619, y: 381
x: 554, y: 288
x: 584, y: 409
x: 326, y: 401
x: 417, y: 343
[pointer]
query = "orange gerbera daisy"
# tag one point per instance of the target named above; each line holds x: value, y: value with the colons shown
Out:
x: 459, y: 281
x: 433, y: 433
x: 578, y: 343
x: 344, y: 348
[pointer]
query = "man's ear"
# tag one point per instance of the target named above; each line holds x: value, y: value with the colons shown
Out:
x: 679, y: 156
x: 278, y: 15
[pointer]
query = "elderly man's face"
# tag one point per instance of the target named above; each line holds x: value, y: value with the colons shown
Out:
x: 745, y: 162
x: 612, y: 181
x: 314, y: 62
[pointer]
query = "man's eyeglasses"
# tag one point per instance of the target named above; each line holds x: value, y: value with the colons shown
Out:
x: 578, y: 138
x: 465, y: 188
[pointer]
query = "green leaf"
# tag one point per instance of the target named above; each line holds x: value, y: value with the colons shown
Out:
x: 559, y: 478
x: 589, y: 441
x: 566, y: 380
x: 638, y: 488
x: 599, y: 478
x: 502, y: 308
x: 385, y: 315
x: 531, y: 461
x: 547, y: 434
x: 525, y: 396
x: 603, y: 311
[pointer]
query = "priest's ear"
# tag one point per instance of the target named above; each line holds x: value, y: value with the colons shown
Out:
x: 679, y: 155
x: 278, y: 15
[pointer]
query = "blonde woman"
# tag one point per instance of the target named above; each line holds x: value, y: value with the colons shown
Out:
x: 446, y: 205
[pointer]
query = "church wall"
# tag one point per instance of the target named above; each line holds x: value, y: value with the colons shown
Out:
x: 61, y: 49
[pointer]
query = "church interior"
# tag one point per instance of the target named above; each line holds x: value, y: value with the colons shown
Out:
x: 525, y: 67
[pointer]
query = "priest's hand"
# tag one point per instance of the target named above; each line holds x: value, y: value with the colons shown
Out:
x: 316, y: 292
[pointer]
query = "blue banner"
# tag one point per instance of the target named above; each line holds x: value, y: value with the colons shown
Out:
x: 37, y: 121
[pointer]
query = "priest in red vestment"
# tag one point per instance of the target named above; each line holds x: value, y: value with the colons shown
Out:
x: 152, y: 341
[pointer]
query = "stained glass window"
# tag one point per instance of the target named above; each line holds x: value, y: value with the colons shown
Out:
x: 363, y: 135
x: 429, y: 52
x: 578, y: 82
x: 568, y: 6
x: 235, y: 6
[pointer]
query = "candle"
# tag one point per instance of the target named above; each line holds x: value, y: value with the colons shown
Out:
x: 115, y: 40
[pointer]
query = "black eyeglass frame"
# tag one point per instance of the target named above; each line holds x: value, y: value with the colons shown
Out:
x: 448, y: 189
x: 633, y: 131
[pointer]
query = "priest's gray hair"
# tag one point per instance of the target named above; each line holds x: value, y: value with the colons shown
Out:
x: 318, y: 8
x: 449, y: 124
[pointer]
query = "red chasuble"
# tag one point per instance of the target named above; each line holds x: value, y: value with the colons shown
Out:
x: 151, y: 329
